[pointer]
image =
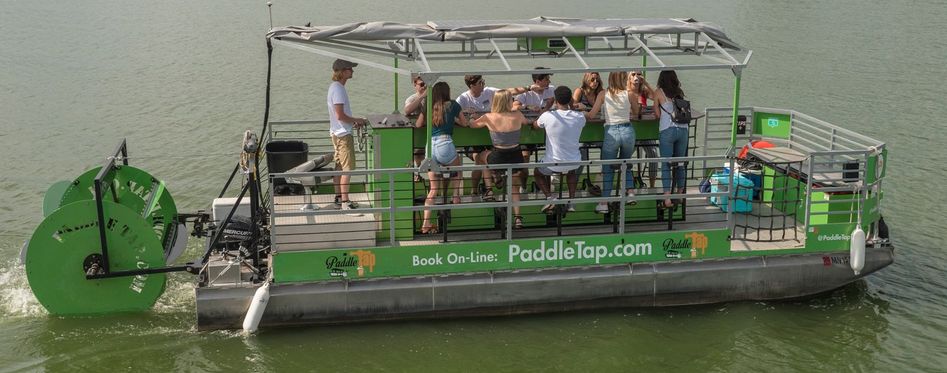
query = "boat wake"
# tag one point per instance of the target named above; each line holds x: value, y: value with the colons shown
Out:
x: 16, y: 298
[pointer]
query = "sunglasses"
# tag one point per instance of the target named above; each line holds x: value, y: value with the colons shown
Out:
x: 420, y: 84
x: 636, y: 74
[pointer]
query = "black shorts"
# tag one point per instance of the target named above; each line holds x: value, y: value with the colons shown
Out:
x: 506, y: 156
x: 471, y: 150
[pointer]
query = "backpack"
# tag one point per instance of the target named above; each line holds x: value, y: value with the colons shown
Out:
x: 682, y: 111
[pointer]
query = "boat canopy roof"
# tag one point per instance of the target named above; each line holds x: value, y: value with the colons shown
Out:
x: 581, y: 41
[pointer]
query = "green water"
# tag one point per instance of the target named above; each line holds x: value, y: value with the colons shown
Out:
x: 182, y: 80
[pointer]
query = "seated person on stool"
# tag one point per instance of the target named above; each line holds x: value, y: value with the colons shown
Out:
x: 537, y: 97
x: 563, y: 127
x: 478, y: 99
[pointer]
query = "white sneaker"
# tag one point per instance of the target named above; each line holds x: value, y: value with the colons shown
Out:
x: 601, y: 208
x: 350, y: 207
x: 570, y: 207
x: 631, y: 198
x: 550, y: 207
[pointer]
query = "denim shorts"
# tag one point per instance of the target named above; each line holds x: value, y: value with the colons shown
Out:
x: 442, y: 150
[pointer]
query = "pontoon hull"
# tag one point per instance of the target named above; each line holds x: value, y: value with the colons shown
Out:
x: 534, y: 291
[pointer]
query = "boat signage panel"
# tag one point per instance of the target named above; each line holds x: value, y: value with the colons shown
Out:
x: 499, y: 255
x: 828, y: 237
x: 771, y: 125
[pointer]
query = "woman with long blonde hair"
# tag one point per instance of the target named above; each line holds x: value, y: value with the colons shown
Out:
x: 619, y: 141
x: 585, y: 96
x: 504, y: 125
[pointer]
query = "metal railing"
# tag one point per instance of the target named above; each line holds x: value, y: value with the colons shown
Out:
x: 835, y: 163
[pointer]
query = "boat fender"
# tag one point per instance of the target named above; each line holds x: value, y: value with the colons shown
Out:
x: 257, y: 306
x: 857, y: 251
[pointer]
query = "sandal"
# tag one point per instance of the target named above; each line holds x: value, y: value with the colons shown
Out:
x: 488, y: 196
x: 594, y: 190
x: 430, y: 230
x: 518, y: 221
x: 499, y: 181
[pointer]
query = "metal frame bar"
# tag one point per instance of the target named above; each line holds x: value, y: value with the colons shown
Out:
x: 424, y: 63
x: 307, y: 48
x: 500, y: 54
x: 576, y: 53
x: 642, y: 45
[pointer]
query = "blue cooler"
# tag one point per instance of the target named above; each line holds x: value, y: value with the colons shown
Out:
x: 744, y: 192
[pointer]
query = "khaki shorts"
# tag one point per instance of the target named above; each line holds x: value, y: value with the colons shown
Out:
x: 344, y: 152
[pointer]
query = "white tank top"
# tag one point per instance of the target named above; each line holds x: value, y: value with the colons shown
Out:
x: 617, y: 108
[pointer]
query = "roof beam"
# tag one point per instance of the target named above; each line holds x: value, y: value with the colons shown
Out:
x: 500, y: 53
x: 424, y: 63
x: 329, y: 54
x: 576, y: 53
x: 718, y: 48
x: 642, y: 45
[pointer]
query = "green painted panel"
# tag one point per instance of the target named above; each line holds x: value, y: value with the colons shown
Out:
x: 395, y: 144
x: 829, y: 237
x: 499, y: 255
x: 556, y: 44
x: 771, y: 125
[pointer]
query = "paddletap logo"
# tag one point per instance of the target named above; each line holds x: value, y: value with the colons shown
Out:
x: 691, y: 243
x: 338, y: 266
x: 772, y: 122
x: 829, y: 237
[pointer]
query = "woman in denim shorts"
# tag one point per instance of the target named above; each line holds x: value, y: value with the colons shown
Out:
x: 445, y: 114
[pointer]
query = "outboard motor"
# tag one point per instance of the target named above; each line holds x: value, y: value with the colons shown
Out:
x: 237, y: 233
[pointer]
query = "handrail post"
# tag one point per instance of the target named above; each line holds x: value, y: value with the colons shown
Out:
x: 509, y: 202
x: 731, y: 221
x: 391, y: 208
x: 622, y: 185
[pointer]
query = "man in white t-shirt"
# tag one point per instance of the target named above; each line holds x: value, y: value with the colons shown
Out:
x: 477, y: 99
x: 341, y: 123
x: 538, y: 99
x: 563, y: 127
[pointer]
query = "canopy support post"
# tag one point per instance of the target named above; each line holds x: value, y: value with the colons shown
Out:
x: 429, y: 120
x: 397, y: 107
x: 737, y: 73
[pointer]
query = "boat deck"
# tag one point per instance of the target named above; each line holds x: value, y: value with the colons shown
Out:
x: 765, y: 228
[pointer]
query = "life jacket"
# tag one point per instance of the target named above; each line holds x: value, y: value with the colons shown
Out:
x: 758, y: 144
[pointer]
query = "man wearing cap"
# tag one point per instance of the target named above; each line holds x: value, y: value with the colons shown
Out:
x: 563, y: 127
x: 538, y: 96
x: 341, y: 123
x: 476, y: 100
